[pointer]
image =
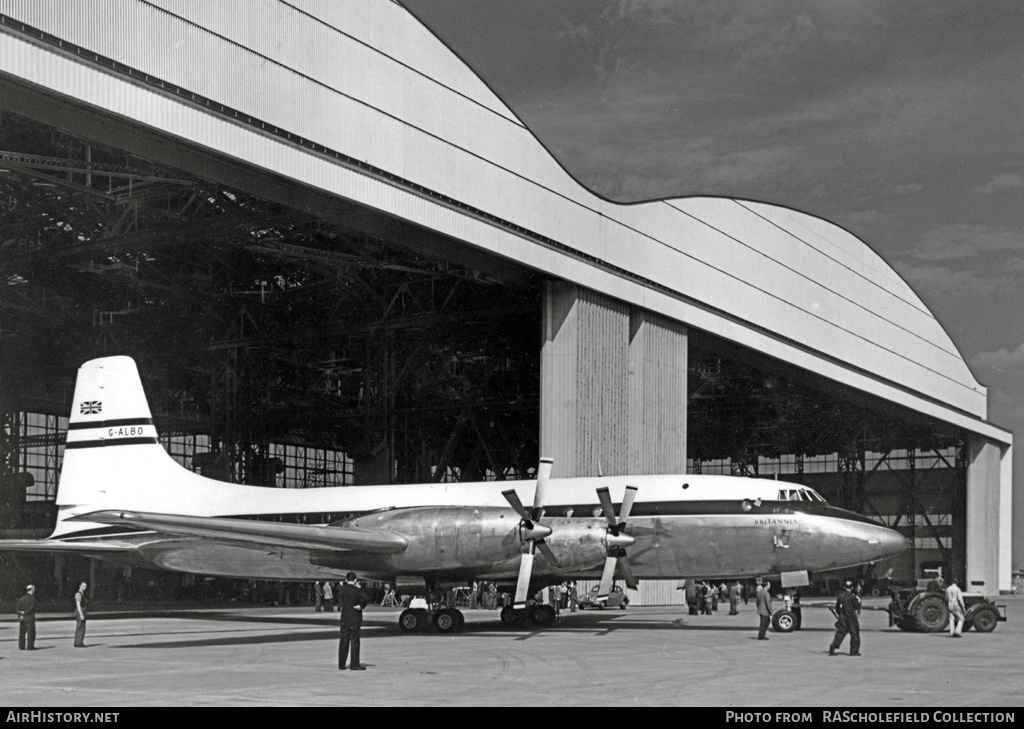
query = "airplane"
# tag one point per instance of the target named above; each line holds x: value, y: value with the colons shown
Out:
x: 122, y: 498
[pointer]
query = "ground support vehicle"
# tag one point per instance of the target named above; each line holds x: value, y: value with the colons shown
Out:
x: 616, y: 598
x: 927, y: 612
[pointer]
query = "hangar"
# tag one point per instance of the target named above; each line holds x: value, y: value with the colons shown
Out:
x: 345, y: 260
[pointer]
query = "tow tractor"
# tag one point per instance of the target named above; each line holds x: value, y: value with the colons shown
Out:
x: 914, y: 610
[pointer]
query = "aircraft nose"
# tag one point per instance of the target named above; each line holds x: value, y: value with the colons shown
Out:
x: 891, y: 542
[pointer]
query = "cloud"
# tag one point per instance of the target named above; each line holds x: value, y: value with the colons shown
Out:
x: 862, y: 217
x: 943, y: 282
x: 1005, y: 181
x: 908, y: 189
x: 1000, y: 359
x: 963, y: 241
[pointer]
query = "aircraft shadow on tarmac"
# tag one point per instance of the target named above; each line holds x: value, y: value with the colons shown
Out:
x: 377, y: 626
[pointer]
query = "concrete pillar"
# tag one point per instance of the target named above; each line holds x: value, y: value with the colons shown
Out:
x: 613, y: 386
x: 989, y: 512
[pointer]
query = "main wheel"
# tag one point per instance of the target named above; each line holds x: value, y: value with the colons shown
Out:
x: 984, y: 621
x: 510, y: 616
x: 412, y: 620
x: 447, y: 620
x: 932, y: 614
x: 784, y: 621
x: 542, y: 615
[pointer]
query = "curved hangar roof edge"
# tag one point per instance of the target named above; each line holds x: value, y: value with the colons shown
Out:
x: 371, y: 82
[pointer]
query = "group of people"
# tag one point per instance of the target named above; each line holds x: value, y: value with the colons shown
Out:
x: 480, y: 595
x: 26, y: 609
x: 325, y: 596
x: 709, y: 595
x: 563, y: 596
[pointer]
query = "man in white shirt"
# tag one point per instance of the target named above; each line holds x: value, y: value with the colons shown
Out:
x: 955, y: 600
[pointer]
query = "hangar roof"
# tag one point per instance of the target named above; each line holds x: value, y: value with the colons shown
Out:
x: 360, y: 100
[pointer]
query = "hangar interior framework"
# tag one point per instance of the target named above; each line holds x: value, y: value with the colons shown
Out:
x: 291, y: 338
x: 280, y: 350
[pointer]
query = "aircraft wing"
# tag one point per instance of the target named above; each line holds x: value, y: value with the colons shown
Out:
x: 58, y: 546
x: 296, y: 536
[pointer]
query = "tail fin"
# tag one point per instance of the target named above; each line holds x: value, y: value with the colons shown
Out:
x: 112, y: 454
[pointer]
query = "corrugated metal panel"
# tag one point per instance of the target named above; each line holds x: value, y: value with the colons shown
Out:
x: 658, y: 394
x: 649, y: 592
x: 583, y: 382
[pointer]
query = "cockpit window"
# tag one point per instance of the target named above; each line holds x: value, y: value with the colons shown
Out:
x: 800, y: 495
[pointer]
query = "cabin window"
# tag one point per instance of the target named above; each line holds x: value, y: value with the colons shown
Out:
x: 783, y: 496
x: 794, y: 495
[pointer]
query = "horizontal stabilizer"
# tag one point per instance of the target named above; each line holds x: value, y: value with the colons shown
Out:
x: 58, y: 546
x: 296, y: 536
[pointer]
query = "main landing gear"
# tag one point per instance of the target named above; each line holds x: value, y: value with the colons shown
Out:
x: 446, y: 620
x: 542, y: 616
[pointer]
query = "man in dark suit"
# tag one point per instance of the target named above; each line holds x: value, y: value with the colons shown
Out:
x: 27, y: 619
x: 352, y: 600
x: 764, y: 609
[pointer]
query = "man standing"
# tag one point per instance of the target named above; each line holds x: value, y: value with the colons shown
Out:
x: 27, y: 619
x: 734, y: 598
x: 352, y: 600
x: 81, y: 610
x: 764, y: 609
x: 847, y: 620
x: 955, y: 600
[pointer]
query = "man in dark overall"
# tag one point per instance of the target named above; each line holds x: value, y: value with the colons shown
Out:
x: 81, y: 612
x: 352, y: 600
x: 27, y: 619
x: 847, y: 620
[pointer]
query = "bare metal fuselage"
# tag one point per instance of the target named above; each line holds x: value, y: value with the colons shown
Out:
x: 458, y: 543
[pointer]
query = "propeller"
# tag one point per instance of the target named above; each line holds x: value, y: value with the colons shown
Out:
x: 616, y: 540
x: 531, y: 531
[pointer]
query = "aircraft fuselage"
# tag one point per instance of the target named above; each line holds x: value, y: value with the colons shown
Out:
x: 458, y: 543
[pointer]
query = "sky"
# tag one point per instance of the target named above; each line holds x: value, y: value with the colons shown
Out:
x: 903, y: 122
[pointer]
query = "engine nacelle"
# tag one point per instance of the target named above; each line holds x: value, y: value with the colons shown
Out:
x: 579, y: 544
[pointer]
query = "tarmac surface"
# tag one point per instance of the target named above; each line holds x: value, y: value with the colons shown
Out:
x: 646, y: 656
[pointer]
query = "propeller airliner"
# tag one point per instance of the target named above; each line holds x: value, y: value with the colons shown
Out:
x: 122, y: 498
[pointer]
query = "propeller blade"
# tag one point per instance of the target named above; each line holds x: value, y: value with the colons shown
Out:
x: 548, y: 554
x: 606, y: 507
x: 627, y: 572
x: 606, y: 579
x: 543, y: 476
x: 513, y: 499
x: 627, y: 505
x: 523, y: 583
